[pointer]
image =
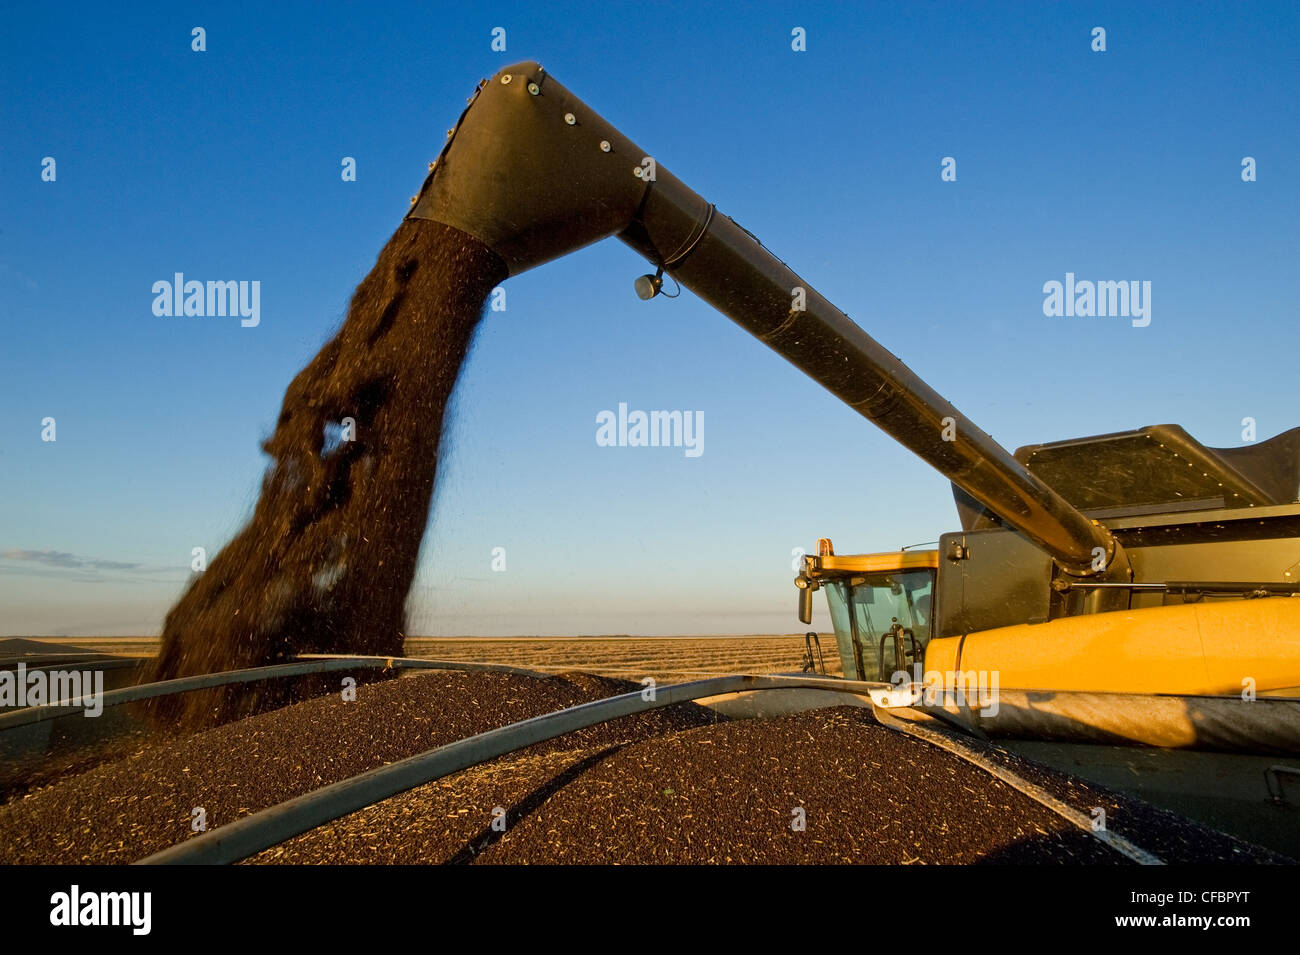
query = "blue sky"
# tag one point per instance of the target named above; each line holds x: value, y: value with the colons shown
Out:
x: 225, y: 164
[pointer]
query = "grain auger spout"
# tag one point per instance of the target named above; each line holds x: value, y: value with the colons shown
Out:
x: 534, y: 173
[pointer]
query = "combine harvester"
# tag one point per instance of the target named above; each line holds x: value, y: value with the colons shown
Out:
x: 1117, y: 606
x: 1130, y: 588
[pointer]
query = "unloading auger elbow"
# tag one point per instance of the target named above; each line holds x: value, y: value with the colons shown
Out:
x: 534, y: 173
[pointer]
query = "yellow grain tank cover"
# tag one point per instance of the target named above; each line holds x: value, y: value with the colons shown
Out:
x: 835, y: 565
x: 1218, y: 648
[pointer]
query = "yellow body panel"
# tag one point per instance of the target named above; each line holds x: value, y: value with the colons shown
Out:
x: 1194, y: 649
x: 878, y: 563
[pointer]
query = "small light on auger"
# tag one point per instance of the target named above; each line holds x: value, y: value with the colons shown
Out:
x: 648, y: 286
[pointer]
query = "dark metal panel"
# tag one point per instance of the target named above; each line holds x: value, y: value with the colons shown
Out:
x: 1158, y: 464
x: 1209, y: 527
x: 1261, y: 560
x: 989, y: 579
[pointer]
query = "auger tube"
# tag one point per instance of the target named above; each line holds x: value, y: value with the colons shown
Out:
x: 534, y: 173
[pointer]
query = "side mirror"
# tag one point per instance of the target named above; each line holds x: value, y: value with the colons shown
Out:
x: 806, y: 588
x: 805, y: 606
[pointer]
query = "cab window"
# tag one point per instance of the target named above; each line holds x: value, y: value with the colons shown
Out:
x: 882, y: 620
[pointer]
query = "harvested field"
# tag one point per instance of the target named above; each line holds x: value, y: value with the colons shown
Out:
x: 631, y: 657
x: 664, y: 658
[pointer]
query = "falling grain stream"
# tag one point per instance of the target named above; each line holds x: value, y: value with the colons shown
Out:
x: 326, y: 561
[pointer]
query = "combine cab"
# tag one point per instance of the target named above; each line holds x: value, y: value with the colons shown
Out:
x: 881, y: 605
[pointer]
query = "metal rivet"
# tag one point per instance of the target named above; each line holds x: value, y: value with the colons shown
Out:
x: 534, y: 88
x: 604, y: 145
x: 505, y: 80
x: 570, y: 118
x: 413, y: 198
x: 432, y: 164
x: 449, y: 133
